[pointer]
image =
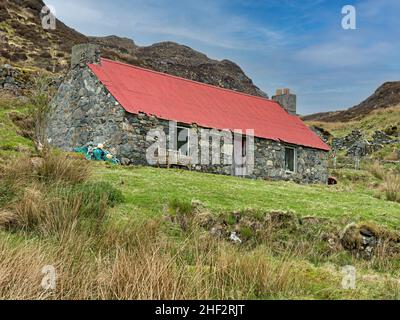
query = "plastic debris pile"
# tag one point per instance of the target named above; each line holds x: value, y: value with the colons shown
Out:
x: 97, y: 154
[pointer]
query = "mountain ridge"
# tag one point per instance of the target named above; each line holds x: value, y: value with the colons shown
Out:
x: 25, y: 42
x: 386, y: 96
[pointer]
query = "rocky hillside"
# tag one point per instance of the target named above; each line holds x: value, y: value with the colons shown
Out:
x: 386, y: 96
x: 23, y: 41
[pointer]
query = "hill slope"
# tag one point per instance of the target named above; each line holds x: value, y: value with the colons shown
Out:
x: 386, y: 96
x: 166, y: 236
x: 24, y: 41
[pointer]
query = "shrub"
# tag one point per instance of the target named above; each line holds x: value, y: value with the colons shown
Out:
x: 40, y: 97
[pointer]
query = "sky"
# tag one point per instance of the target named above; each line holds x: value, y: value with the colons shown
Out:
x: 296, y: 44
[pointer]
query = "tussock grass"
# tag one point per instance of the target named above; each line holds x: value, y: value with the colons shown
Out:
x: 49, y: 196
x: 391, y: 187
x: 59, y: 168
x: 377, y: 170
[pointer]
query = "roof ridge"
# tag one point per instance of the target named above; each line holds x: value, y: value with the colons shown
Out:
x: 189, y: 80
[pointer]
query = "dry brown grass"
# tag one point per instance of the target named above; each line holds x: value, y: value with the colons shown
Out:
x: 376, y: 120
x: 377, y: 170
x: 20, y: 272
x: 142, y: 262
x: 394, y: 156
x: 59, y: 168
x: 52, y: 168
x: 143, y: 270
x: 65, y: 224
x: 391, y: 187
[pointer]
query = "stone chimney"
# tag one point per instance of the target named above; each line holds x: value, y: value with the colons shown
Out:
x: 83, y: 54
x: 287, y: 100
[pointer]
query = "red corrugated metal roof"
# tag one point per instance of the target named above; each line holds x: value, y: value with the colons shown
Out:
x: 181, y: 100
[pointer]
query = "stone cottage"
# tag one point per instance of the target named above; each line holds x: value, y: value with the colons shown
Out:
x: 137, y: 112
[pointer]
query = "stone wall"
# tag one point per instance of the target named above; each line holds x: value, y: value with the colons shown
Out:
x: 287, y: 101
x: 312, y: 164
x: 357, y: 145
x: 13, y: 79
x: 84, y: 112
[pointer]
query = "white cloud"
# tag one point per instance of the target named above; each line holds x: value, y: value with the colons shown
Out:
x: 205, y: 22
x: 298, y: 44
x: 342, y: 54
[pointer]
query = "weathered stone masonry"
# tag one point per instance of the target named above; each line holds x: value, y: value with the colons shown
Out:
x: 84, y: 112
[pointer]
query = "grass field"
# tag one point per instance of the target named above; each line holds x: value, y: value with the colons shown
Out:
x: 116, y: 232
x: 147, y: 190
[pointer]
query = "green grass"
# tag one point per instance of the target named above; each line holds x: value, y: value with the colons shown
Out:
x: 11, y: 143
x: 148, y: 190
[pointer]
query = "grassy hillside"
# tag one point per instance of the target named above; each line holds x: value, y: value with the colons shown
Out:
x: 147, y: 244
x: 148, y: 190
x: 376, y: 120
x: 12, y: 139
x: 114, y: 232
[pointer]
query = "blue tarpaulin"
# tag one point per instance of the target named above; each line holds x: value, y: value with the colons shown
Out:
x: 97, y: 154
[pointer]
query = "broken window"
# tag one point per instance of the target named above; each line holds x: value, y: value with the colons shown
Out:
x: 244, y: 145
x: 290, y: 159
x: 183, y: 141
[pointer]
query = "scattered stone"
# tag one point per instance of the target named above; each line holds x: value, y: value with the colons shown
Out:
x: 235, y: 238
x: 325, y: 135
x: 363, y: 240
x: 392, y: 131
x: 218, y: 231
x: 381, y: 138
x: 357, y: 146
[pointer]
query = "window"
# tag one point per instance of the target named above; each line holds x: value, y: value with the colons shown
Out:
x: 290, y: 159
x: 244, y: 145
x: 183, y: 141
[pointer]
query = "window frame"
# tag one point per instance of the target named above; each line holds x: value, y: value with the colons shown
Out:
x: 294, y: 160
x: 178, y: 150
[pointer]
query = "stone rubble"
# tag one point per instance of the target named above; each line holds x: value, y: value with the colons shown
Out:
x: 357, y: 145
x: 11, y: 79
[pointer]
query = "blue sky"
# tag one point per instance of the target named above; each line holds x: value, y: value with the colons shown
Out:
x: 298, y: 44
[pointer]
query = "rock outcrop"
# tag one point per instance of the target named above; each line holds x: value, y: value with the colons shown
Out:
x: 24, y: 41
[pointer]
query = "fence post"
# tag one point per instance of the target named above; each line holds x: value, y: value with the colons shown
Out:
x: 357, y: 163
